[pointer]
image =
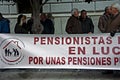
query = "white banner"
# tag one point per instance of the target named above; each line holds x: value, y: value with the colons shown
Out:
x: 82, y: 51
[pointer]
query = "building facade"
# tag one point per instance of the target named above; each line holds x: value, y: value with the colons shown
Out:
x: 61, y: 11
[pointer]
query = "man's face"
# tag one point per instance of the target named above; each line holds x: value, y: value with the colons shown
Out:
x: 109, y: 10
x: 76, y: 13
x: 83, y: 14
x: 42, y: 17
x: 113, y: 10
x: 23, y: 19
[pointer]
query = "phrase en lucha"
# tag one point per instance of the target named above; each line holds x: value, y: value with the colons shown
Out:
x: 72, y: 50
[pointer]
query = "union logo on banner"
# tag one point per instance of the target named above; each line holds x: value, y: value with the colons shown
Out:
x: 11, y: 51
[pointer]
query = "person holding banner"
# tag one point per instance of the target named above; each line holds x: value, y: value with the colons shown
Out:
x: 86, y: 23
x: 114, y: 24
x: 103, y: 20
x: 73, y: 25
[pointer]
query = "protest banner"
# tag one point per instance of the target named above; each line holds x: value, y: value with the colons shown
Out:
x: 80, y: 51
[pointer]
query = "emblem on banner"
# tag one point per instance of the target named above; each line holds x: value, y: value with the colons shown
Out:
x: 11, y: 51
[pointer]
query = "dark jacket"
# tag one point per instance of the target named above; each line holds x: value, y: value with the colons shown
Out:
x: 87, y: 25
x: 113, y: 24
x: 21, y: 29
x: 48, y: 26
x: 4, y: 26
x: 29, y: 25
x: 73, y: 26
x: 103, y: 21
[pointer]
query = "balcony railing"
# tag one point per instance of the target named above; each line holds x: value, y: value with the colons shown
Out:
x: 65, y: 6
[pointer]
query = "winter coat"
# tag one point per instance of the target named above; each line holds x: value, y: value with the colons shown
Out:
x: 29, y: 25
x: 73, y: 26
x: 113, y: 24
x: 48, y: 26
x: 87, y: 25
x: 103, y: 21
x: 21, y: 29
x: 4, y: 26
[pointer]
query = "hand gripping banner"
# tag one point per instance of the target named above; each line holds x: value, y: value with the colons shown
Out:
x: 80, y: 51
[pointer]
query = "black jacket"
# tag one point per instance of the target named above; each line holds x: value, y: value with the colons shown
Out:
x: 21, y: 29
x: 48, y: 26
x: 87, y: 25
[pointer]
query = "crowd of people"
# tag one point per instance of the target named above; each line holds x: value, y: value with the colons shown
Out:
x: 108, y: 22
x: 79, y: 24
x: 25, y: 27
x: 76, y: 24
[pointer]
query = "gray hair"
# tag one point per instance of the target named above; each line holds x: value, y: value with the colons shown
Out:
x: 73, y: 10
x: 117, y: 6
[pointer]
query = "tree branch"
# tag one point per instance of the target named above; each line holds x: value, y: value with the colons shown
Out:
x: 31, y: 3
x: 17, y: 1
x: 43, y: 3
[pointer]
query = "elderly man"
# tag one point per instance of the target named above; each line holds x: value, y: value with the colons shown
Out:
x: 103, y: 20
x: 114, y: 24
x: 73, y: 24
